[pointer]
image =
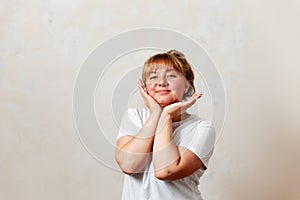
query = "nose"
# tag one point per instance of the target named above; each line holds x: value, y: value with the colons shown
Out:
x: 163, y: 82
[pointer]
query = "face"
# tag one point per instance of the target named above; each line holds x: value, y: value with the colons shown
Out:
x: 166, y: 85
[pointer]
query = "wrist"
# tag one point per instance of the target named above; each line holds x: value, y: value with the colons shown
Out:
x: 166, y: 115
x: 155, y: 109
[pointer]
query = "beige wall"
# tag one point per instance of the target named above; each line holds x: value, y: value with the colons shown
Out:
x: 254, y: 44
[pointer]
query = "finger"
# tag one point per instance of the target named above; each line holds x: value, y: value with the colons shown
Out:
x: 142, y: 87
x: 144, y: 92
x: 189, y: 103
x: 197, y: 95
x: 140, y: 83
x: 192, y: 100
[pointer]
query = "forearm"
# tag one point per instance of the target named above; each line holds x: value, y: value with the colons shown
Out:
x: 166, y: 155
x: 134, y: 154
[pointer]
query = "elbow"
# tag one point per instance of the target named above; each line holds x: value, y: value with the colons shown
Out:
x: 163, y: 174
x: 127, y: 172
x: 124, y: 167
x: 127, y: 169
x: 129, y: 165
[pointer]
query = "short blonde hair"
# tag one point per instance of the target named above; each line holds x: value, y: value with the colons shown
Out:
x: 175, y: 60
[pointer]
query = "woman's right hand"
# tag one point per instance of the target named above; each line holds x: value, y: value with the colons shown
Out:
x: 148, y: 100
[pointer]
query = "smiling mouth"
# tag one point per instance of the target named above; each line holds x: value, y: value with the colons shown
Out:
x: 163, y: 91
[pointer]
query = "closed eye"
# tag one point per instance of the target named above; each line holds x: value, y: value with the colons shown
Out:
x: 172, y: 75
x: 152, y: 77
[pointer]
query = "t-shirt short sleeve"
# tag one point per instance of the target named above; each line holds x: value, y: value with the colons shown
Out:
x: 132, y: 121
x: 200, y: 140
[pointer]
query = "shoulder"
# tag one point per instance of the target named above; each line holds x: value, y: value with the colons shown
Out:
x: 138, y: 112
x: 195, y: 125
x: 139, y: 115
x: 132, y: 121
x: 205, y: 131
x: 205, y: 123
x: 200, y: 122
x: 202, y: 126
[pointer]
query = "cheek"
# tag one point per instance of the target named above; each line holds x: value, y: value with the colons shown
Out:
x: 179, y: 91
x: 178, y: 94
x: 150, y: 88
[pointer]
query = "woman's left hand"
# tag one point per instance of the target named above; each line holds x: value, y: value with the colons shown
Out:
x: 176, y: 109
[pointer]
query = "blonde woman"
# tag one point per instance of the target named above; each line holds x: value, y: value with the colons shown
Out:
x: 162, y: 149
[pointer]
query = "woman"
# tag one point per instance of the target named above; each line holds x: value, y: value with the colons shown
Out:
x: 162, y: 149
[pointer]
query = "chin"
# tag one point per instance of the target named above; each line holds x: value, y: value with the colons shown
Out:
x: 163, y: 104
x: 166, y: 103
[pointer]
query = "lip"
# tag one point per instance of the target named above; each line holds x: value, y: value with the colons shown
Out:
x: 162, y: 91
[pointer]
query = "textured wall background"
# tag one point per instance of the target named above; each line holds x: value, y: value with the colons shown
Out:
x: 254, y: 44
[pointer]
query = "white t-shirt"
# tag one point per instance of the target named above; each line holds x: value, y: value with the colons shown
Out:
x: 193, y: 133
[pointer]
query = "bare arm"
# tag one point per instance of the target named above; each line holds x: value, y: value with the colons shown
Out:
x: 172, y: 162
x: 133, y: 152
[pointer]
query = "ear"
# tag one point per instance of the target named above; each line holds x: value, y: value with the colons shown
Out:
x: 187, y: 86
